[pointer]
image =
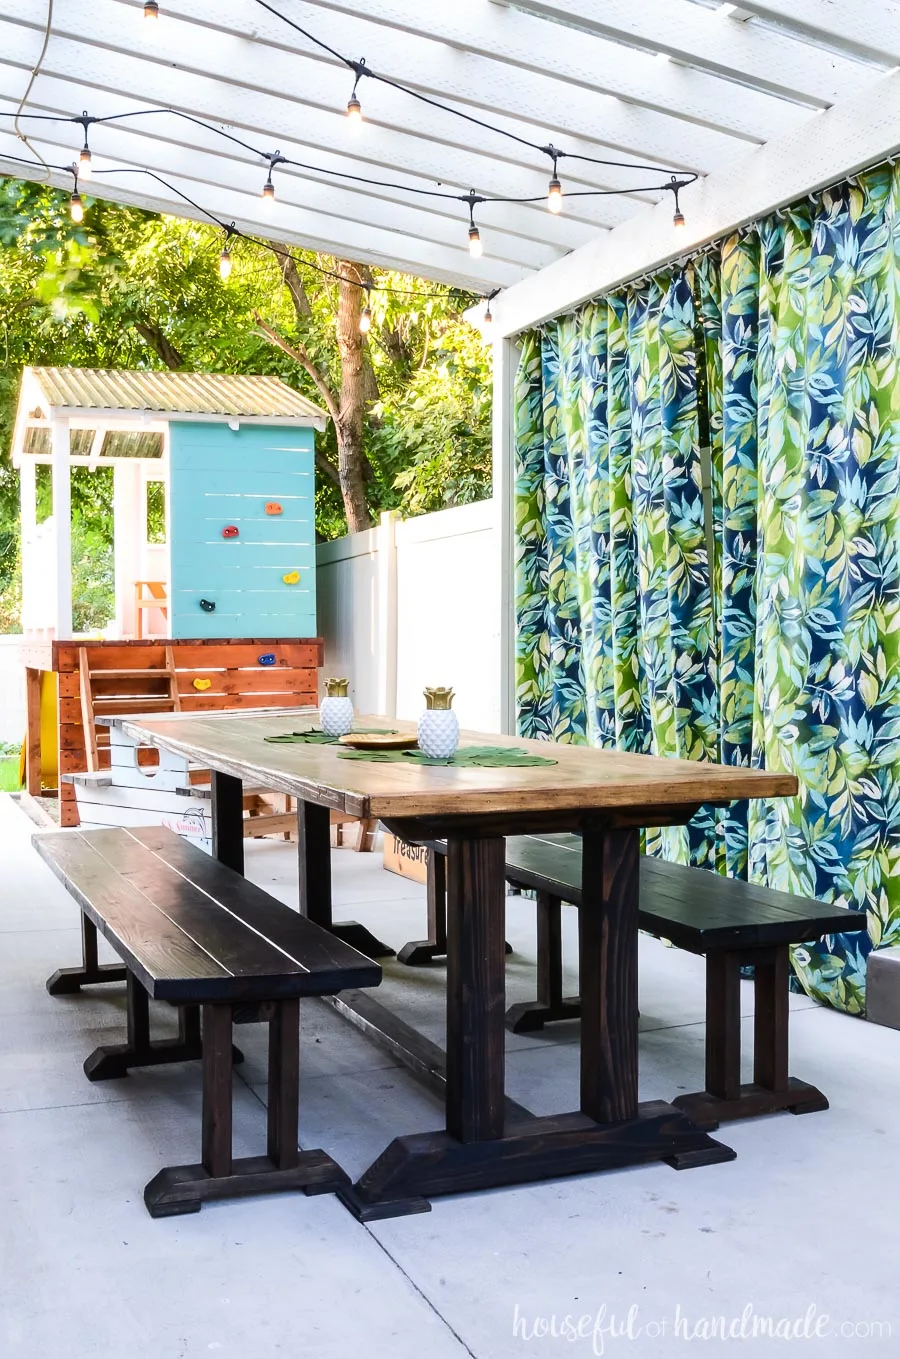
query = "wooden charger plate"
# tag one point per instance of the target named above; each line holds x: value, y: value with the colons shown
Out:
x: 381, y: 740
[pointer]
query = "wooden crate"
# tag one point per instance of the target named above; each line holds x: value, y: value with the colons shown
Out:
x: 410, y: 861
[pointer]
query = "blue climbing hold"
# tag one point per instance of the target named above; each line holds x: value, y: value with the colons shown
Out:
x: 207, y: 606
x: 267, y: 659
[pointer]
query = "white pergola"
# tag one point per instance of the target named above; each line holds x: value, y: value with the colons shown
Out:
x: 766, y: 100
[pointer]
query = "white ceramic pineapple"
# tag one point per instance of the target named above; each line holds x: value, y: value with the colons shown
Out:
x: 438, y: 725
x: 336, y: 709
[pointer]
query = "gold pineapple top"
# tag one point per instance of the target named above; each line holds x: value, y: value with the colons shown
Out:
x: 438, y: 698
x: 336, y: 688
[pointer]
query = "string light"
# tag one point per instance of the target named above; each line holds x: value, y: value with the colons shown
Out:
x: 151, y: 9
x: 678, y: 221
x: 84, y: 155
x: 225, y: 261
x: 488, y: 318
x: 76, y: 205
x: 554, y: 188
x: 354, y: 107
x: 268, y: 192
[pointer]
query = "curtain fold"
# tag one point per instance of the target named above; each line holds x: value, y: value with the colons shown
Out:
x: 780, y: 353
x: 616, y: 642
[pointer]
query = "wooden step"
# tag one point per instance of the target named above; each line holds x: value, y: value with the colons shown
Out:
x: 136, y: 700
x: 156, y: 673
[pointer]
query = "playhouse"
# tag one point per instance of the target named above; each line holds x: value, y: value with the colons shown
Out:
x: 214, y: 553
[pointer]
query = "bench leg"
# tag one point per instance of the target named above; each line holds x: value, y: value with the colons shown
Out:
x: 421, y: 952
x: 114, y: 1061
x: 184, y: 1189
x: 68, y: 980
x: 772, y: 1090
x: 551, y: 1005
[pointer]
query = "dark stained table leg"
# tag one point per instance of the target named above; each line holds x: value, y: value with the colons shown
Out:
x: 228, y: 820
x: 67, y: 981
x: 421, y: 952
x: 480, y: 1149
x: 476, y: 988
x: 314, y: 855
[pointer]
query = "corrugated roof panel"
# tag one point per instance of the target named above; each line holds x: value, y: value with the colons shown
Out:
x: 239, y: 395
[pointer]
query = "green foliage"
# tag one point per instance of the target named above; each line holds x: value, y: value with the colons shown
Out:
x: 129, y: 289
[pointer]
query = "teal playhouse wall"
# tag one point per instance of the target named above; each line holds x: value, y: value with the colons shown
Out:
x: 222, y: 477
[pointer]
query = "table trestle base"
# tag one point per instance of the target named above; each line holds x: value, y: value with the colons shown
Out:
x: 430, y: 1164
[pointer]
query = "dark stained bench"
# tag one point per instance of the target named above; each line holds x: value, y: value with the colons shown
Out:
x: 735, y: 924
x: 195, y: 933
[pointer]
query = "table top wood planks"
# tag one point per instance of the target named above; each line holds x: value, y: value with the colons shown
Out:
x: 582, y: 779
x: 607, y: 796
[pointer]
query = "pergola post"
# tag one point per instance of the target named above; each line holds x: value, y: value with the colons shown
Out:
x: 28, y: 524
x: 62, y: 523
x: 505, y: 363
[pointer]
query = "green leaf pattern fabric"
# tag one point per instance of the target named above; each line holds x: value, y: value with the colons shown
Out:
x: 780, y: 352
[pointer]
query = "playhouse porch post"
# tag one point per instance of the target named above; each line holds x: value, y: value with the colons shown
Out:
x: 62, y: 524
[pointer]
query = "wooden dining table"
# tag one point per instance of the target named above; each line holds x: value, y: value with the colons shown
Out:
x: 607, y: 797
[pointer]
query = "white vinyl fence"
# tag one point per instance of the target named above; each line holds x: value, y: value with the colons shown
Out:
x: 12, y: 690
x: 414, y: 603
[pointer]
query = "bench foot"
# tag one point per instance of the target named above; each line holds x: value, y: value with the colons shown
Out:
x: 68, y: 981
x: 708, y: 1111
x: 184, y: 1189
x: 112, y: 1062
x: 530, y: 1016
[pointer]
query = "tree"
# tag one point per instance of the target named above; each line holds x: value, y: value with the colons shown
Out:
x: 409, y: 402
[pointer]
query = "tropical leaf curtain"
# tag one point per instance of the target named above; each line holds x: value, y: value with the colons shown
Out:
x: 780, y: 353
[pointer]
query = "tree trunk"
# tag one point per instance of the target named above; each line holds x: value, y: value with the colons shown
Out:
x: 159, y: 343
x: 352, y: 403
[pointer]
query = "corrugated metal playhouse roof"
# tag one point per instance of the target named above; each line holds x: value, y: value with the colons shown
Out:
x: 111, y: 389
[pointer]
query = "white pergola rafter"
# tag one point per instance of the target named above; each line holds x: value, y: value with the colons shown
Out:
x: 586, y: 77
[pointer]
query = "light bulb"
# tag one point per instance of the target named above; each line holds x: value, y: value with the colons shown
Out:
x: 76, y: 207
x: 225, y: 264
x: 268, y: 192
x: 151, y: 9
x: 555, y: 195
x: 365, y: 319
x: 476, y: 249
x: 678, y: 220
x: 488, y: 317
x: 84, y: 163
x: 354, y: 110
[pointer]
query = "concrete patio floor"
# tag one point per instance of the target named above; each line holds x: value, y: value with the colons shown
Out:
x: 801, y: 1228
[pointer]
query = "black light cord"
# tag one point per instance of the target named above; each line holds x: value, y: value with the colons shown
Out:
x: 231, y: 230
x: 276, y: 157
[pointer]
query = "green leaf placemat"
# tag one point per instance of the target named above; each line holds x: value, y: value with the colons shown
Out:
x: 494, y: 757
x: 315, y: 736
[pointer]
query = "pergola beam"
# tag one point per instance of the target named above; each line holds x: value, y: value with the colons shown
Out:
x: 751, y: 54
x: 535, y: 108
x: 846, y: 139
x: 513, y: 45
x: 871, y: 28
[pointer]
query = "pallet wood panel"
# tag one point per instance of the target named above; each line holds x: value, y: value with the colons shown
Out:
x: 120, y: 685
